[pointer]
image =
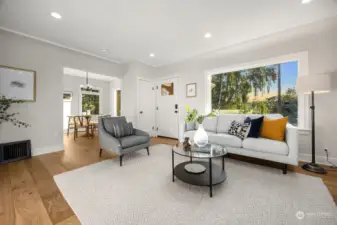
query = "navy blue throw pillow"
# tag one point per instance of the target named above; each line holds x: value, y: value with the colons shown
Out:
x: 247, y: 120
x: 255, y: 127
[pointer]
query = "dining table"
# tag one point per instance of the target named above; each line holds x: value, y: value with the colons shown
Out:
x: 83, y: 121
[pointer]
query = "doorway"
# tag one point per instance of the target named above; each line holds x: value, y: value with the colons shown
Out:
x: 167, y: 109
x: 146, y: 106
x: 118, y: 102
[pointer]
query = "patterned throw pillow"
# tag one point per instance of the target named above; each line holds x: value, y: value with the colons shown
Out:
x: 238, y: 129
x: 123, y: 129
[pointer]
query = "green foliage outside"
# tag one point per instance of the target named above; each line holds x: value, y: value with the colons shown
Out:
x: 231, y: 92
x: 90, y: 102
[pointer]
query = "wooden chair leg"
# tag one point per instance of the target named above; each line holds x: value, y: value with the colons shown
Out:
x: 68, y: 126
x: 100, y: 152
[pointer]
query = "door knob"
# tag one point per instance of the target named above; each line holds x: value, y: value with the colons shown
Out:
x: 141, y: 112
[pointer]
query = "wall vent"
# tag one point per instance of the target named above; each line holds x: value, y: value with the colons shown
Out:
x: 14, y: 151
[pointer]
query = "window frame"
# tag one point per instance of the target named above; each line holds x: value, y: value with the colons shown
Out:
x: 303, y: 70
x: 100, y: 94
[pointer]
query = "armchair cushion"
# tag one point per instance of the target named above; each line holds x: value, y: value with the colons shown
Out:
x: 108, y: 123
x: 133, y: 140
x: 123, y: 129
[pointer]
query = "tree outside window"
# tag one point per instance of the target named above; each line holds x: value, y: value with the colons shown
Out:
x: 263, y: 90
x: 90, y: 102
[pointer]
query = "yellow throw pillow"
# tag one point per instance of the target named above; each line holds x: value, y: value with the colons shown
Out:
x: 274, y: 129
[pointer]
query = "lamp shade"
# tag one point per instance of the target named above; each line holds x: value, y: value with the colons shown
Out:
x: 315, y: 83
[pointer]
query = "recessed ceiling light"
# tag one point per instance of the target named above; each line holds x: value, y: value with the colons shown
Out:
x: 152, y: 55
x: 56, y: 15
x: 105, y: 50
x: 306, y: 1
x: 208, y: 35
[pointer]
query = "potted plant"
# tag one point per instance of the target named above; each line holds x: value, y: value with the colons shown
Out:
x: 200, y: 136
x: 5, y: 104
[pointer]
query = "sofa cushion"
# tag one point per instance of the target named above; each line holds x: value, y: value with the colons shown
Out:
x: 189, y: 134
x: 225, y: 139
x: 273, y: 116
x: 274, y: 129
x: 189, y: 126
x: 238, y: 129
x: 255, y: 127
x: 266, y: 145
x: 209, y: 124
x: 133, y: 140
x: 224, y: 121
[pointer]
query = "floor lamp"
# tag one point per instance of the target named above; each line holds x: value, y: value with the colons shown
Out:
x: 313, y: 84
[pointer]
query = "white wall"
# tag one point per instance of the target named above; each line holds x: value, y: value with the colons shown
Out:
x: 129, y: 88
x: 72, y: 83
x: 45, y: 115
x: 318, y: 39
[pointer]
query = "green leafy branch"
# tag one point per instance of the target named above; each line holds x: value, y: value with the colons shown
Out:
x: 192, y: 115
x: 5, y: 104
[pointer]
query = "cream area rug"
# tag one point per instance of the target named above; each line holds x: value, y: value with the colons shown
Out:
x: 142, y: 192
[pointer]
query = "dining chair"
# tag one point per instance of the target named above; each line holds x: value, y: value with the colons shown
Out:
x: 82, y: 122
x: 71, y: 124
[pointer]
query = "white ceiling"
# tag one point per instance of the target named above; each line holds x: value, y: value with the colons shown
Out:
x: 172, y: 29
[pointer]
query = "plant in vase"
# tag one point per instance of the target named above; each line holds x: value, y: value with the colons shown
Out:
x: 200, y: 136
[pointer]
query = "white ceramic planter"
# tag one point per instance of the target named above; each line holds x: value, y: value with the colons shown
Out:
x: 201, y: 137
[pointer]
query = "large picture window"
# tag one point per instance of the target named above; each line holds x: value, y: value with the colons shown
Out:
x: 262, y: 90
x: 90, y: 101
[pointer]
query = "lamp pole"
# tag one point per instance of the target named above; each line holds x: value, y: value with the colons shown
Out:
x: 313, y: 167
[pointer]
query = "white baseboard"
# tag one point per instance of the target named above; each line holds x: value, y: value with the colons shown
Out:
x: 319, y: 159
x: 45, y: 150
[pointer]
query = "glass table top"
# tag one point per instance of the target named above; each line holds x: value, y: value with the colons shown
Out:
x: 208, y: 151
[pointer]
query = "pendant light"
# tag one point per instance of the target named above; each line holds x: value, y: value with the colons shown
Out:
x: 87, y: 86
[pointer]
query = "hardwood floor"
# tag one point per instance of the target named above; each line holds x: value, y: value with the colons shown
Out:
x: 29, y: 195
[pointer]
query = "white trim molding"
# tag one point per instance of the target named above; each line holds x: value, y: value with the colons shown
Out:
x: 59, y: 45
x: 319, y: 159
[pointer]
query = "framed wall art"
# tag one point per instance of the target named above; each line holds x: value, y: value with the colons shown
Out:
x: 18, y: 84
x: 191, y: 90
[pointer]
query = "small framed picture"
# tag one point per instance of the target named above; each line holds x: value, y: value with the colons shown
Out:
x: 191, y: 90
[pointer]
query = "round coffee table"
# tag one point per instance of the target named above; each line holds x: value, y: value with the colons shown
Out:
x: 197, y: 172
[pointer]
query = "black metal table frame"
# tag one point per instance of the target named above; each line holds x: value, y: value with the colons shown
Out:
x: 210, y: 170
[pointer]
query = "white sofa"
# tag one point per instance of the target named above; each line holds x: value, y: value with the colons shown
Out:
x: 282, y: 152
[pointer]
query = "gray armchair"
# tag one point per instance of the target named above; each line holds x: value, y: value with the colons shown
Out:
x: 120, y: 146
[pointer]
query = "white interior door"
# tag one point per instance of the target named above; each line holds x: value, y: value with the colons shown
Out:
x: 146, y: 106
x: 167, y: 112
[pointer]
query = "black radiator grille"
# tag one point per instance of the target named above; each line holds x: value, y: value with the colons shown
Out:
x: 14, y: 151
